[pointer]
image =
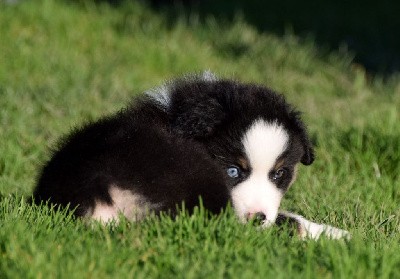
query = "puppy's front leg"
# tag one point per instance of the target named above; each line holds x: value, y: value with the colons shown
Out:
x: 308, y: 229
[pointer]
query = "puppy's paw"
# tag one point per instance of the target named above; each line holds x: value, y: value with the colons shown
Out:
x: 307, y: 229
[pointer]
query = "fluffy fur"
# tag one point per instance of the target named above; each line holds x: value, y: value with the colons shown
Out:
x: 220, y: 140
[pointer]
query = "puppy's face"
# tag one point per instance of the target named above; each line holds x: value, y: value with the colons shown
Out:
x: 261, y: 170
x: 252, y: 132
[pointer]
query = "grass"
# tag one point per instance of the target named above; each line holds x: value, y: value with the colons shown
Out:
x: 63, y: 63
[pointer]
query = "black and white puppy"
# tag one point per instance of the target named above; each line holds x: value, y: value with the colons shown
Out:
x: 220, y: 140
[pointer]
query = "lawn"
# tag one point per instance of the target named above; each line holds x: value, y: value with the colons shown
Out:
x: 62, y: 63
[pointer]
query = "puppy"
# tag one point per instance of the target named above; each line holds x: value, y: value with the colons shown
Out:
x: 220, y: 140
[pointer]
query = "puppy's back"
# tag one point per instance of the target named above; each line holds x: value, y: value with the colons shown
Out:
x: 132, y: 152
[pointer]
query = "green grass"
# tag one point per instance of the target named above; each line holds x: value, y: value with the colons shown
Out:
x: 61, y: 64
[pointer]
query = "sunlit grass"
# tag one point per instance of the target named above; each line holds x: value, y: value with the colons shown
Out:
x: 61, y: 64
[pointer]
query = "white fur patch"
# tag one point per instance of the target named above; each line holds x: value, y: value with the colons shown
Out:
x: 208, y: 76
x: 104, y: 213
x: 313, y: 230
x: 134, y: 207
x: 263, y: 143
x: 161, y: 95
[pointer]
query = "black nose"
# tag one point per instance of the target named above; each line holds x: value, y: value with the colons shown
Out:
x: 260, y: 216
x: 257, y: 218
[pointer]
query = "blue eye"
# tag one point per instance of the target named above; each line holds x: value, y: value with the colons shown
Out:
x: 233, y: 172
x: 279, y: 174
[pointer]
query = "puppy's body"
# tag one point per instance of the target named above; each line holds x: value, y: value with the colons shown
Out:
x: 218, y: 139
x: 131, y: 162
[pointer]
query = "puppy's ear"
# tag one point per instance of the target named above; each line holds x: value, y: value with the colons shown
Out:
x: 197, y: 118
x: 308, y: 155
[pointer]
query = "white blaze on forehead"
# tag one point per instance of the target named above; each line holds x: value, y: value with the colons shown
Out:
x: 263, y: 144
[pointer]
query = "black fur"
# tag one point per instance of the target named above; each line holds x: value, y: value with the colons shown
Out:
x: 167, y: 154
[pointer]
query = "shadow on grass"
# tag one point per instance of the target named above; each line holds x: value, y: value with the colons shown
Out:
x: 364, y: 27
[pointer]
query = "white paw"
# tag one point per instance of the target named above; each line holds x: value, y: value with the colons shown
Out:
x: 314, y: 231
x: 308, y: 229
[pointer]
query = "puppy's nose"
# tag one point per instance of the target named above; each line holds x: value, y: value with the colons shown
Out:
x: 257, y: 218
x: 260, y: 216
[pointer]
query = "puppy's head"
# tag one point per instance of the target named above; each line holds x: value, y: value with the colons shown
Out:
x: 257, y: 138
x: 263, y: 170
